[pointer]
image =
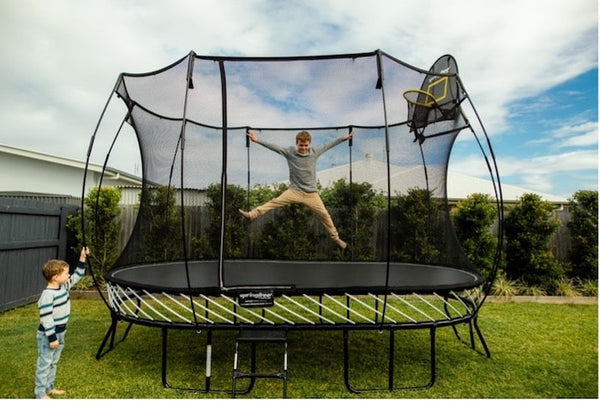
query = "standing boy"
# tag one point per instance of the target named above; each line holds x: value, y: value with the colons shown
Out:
x: 302, y: 164
x: 54, y: 307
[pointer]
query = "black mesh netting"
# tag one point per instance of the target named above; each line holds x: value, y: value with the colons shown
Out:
x: 386, y: 190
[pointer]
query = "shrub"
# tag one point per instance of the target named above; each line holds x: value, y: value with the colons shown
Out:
x: 417, y: 229
x: 566, y: 287
x: 355, y: 207
x: 473, y: 219
x: 504, y: 287
x: 85, y: 283
x: 588, y: 288
x: 236, y: 232
x: 102, y: 227
x: 532, y: 290
x: 583, y: 256
x: 163, y: 232
x: 290, y: 233
x: 529, y: 257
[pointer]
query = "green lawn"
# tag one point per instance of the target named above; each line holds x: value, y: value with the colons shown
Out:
x: 538, y: 351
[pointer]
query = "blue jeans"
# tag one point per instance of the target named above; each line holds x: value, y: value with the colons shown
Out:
x: 46, y: 363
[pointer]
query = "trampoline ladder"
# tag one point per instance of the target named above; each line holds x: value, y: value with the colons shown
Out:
x: 208, y: 373
x: 253, y: 337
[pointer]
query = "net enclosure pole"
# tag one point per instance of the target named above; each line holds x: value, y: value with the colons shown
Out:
x: 380, y: 86
x: 189, y: 86
x: 223, y: 170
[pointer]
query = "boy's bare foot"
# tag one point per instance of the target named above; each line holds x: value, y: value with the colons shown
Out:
x: 245, y: 214
x: 340, y: 243
x: 57, y: 392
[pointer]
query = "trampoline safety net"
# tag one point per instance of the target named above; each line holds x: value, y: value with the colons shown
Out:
x: 216, y: 137
x: 385, y: 189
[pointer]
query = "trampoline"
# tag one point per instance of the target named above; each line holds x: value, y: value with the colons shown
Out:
x: 295, y: 277
x: 190, y: 261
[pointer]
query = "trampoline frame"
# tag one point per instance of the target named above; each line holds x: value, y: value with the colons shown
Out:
x: 325, y: 312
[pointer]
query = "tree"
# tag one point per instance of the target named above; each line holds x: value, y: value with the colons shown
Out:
x: 290, y: 233
x: 236, y: 231
x: 473, y: 219
x: 102, y: 227
x: 528, y: 228
x: 417, y: 230
x: 355, y: 208
x: 162, y: 232
x: 583, y: 255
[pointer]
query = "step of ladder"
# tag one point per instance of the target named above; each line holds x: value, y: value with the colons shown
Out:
x: 254, y: 337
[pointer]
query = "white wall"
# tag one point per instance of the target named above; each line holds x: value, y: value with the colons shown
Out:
x: 29, y: 175
x: 25, y: 174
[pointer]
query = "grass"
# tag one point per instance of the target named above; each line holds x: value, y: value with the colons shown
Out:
x: 538, y: 351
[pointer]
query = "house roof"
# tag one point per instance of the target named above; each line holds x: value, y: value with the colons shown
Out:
x: 110, y: 172
x: 459, y: 186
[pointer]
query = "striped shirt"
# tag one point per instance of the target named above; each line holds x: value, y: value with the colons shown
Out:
x: 55, y: 305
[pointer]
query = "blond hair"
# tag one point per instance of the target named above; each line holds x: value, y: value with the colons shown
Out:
x: 53, y: 267
x: 303, y: 136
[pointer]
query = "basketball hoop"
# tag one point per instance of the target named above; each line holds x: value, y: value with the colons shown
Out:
x: 418, y: 97
x: 420, y: 104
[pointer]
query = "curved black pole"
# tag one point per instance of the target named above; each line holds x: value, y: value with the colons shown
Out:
x: 83, y: 186
x: 350, y: 143
x: 223, y: 171
x: 248, y: 168
x: 389, y: 188
x: 189, y: 86
x: 95, y: 280
x: 247, y: 183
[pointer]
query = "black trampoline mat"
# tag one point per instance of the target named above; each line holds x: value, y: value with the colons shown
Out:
x: 293, y: 277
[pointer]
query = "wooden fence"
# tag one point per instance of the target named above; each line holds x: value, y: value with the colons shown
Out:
x: 197, y: 221
x: 31, y: 232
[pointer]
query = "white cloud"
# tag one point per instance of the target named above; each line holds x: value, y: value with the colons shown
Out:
x: 573, y: 170
x: 537, y: 165
x: 585, y: 134
x: 62, y: 58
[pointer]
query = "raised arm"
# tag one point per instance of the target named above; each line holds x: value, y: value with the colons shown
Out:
x: 322, y: 149
x: 252, y: 136
x: 271, y: 146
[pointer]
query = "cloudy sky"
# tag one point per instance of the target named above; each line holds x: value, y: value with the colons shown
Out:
x: 530, y: 66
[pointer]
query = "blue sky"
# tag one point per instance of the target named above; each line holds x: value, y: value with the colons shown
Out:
x: 553, y: 130
x: 530, y: 66
x: 550, y: 143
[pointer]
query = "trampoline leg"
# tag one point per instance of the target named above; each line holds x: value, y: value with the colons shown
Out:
x: 391, y: 361
x: 474, y: 329
x: 164, y: 358
x: 208, y: 373
x: 110, y: 333
x: 346, y: 363
x: 432, y: 356
x: 391, y: 356
x: 127, y: 331
x: 481, y: 339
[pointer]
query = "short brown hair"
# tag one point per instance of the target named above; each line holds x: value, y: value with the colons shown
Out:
x: 303, y: 136
x: 53, y: 267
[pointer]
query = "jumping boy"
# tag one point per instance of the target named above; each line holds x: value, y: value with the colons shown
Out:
x: 302, y: 163
x: 54, y: 307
